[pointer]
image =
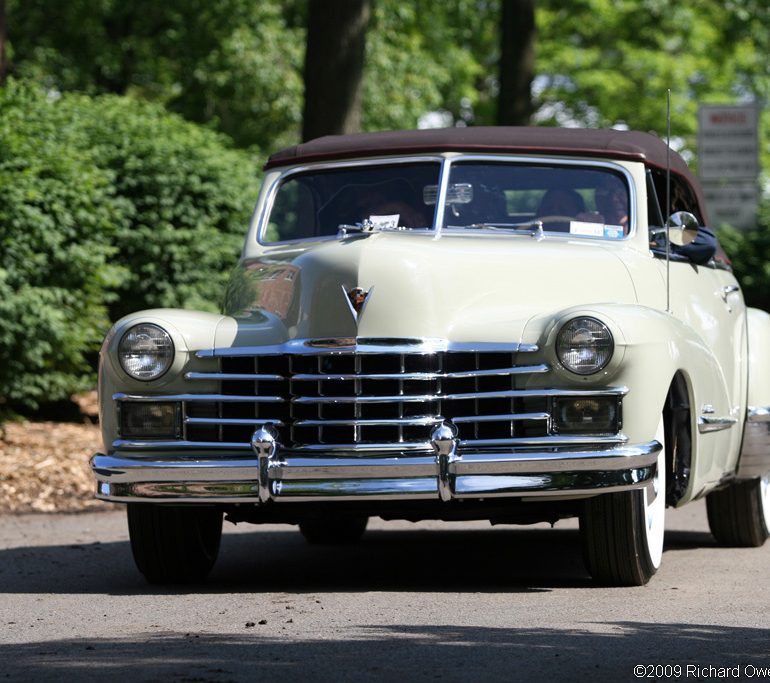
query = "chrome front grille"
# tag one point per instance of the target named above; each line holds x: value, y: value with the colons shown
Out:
x: 369, y: 394
x: 356, y: 397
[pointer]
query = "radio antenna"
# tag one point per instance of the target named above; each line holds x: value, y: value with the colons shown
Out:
x: 668, y: 200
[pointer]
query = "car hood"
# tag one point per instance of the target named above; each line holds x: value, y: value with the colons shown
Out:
x: 456, y: 288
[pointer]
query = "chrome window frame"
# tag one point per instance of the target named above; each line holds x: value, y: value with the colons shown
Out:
x: 445, y: 161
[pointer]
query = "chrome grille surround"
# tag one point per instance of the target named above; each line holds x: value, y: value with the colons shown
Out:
x: 365, y: 396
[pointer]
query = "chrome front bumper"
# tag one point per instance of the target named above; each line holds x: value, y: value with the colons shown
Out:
x: 443, y: 471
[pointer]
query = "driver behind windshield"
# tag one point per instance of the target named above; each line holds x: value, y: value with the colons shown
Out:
x: 388, y: 205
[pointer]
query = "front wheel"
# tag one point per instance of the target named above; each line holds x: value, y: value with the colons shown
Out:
x: 622, y: 532
x: 739, y: 515
x: 174, y: 544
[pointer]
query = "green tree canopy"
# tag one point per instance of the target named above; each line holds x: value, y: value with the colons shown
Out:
x: 236, y: 65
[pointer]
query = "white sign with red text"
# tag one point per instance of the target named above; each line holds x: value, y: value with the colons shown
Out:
x: 728, y: 162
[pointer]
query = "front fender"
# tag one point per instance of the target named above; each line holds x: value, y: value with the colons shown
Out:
x: 189, y: 331
x: 651, y: 346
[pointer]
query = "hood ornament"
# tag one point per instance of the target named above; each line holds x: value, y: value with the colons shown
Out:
x: 356, y: 298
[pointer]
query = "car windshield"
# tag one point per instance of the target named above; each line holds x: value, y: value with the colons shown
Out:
x: 319, y: 203
x: 588, y: 201
x: 584, y: 201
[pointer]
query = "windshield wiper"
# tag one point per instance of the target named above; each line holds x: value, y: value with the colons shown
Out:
x: 533, y: 228
x: 345, y: 229
x: 367, y: 226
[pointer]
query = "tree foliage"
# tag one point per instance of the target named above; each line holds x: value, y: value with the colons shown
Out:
x: 232, y: 64
x: 104, y: 205
x: 236, y: 65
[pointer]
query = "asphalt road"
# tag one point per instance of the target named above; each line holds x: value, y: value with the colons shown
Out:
x: 425, y: 602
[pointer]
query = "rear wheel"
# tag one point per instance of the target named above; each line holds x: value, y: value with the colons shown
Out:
x: 174, y: 544
x: 623, y: 532
x: 333, y: 530
x: 739, y: 515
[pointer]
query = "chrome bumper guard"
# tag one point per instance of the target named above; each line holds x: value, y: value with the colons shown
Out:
x: 441, y: 470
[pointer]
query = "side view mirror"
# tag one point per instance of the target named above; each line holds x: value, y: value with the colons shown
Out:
x: 682, y: 228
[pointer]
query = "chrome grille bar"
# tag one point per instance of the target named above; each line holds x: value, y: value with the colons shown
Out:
x: 513, y: 393
x: 230, y: 421
x: 418, y: 421
x: 222, y: 398
x: 499, y: 418
x: 361, y: 345
x: 232, y: 376
x: 518, y: 370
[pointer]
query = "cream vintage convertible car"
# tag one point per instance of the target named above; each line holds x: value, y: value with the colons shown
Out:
x: 479, y: 323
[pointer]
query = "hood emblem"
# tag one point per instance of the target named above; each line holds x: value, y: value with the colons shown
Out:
x: 357, y: 298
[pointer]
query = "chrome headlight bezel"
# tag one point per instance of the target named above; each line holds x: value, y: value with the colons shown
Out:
x: 584, y: 345
x: 146, y: 352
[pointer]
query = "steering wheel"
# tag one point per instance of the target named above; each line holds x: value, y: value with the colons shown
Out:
x: 555, y: 219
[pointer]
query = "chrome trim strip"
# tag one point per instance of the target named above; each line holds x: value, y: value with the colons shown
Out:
x: 230, y: 421
x: 421, y: 420
x: 512, y: 393
x: 606, y: 457
x: 499, y: 418
x: 233, y: 376
x: 384, y: 448
x: 518, y: 370
x: 556, y: 441
x: 221, y: 398
x: 138, y: 445
x: 307, y: 468
x: 367, y: 345
x: 708, y: 424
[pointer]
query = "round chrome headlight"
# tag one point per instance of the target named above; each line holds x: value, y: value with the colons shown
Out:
x: 584, y: 345
x: 146, y: 351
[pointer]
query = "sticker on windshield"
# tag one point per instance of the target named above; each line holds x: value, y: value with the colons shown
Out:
x: 385, y: 222
x: 587, y: 229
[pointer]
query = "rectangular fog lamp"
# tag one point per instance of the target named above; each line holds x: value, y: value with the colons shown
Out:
x: 595, y: 415
x: 150, y: 420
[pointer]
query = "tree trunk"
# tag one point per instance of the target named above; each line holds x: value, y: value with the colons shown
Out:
x: 334, y: 65
x: 517, y: 62
x: 3, y: 65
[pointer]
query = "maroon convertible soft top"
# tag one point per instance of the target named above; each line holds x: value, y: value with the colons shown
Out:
x: 616, y: 144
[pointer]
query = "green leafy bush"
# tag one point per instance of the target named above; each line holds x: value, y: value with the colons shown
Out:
x: 107, y: 205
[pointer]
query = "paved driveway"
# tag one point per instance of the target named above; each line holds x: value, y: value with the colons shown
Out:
x: 427, y: 602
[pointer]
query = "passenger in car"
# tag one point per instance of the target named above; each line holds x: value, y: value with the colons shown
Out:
x: 561, y: 202
x: 612, y: 203
x: 558, y: 207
